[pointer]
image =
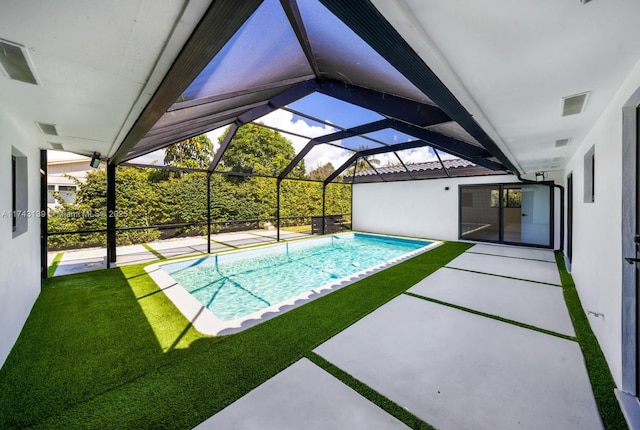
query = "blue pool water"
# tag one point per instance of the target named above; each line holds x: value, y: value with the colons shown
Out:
x: 234, y: 285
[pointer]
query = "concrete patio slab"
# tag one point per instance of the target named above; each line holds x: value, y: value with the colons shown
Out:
x: 133, y: 254
x: 303, y: 396
x: 514, y: 251
x: 82, y: 261
x: 180, y: 247
x: 530, y: 303
x: 457, y: 370
x: 531, y: 270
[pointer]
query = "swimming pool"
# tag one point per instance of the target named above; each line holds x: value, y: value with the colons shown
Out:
x: 228, y: 292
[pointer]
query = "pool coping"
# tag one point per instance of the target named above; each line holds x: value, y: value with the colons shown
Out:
x: 207, y: 323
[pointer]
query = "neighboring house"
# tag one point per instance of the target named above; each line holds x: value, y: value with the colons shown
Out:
x: 429, y: 170
x: 62, y: 167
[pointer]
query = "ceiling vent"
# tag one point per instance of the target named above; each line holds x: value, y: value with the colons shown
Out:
x: 573, y: 105
x: 49, y: 129
x: 556, y: 159
x: 562, y: 142
x: 15, y: 63
x: 56, y: 146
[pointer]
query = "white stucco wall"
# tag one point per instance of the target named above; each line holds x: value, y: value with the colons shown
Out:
x: 413, y: 208
x: 19, y: 256
x: 597, y: 239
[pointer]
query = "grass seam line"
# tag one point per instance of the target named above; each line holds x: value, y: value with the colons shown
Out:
x: 51, y: 271
x: 224, y: 243
x: 510, y: 256
x: 602, y: 383
x: 383, y: 402
x: 493, y: 317
x: 503, y: 276
x: 266, y: 237
x: 154, y: 252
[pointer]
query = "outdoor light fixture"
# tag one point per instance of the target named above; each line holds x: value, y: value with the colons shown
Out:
x: 95, y: 160
x: 541, y: 176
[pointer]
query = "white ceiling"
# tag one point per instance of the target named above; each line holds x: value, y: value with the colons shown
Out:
x: 511, y: 62
x: 98, y: 63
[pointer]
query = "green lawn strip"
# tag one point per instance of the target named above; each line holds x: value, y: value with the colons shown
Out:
x: 89, y: 357
x: 494, y: 317
x: 224, y: 243
x: 154, y: 252
x: 51, y: 271
x: 370, y: 394
x: 601, y: 380
x: 503, y: 276
x: 512, y: 257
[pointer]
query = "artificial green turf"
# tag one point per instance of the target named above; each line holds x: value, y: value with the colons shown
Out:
x: 493, y: 317
x: 54, y: 264
x: 370, y: 394
x: 154, y: 252
x: 601, y: 380
x: 108, y: 350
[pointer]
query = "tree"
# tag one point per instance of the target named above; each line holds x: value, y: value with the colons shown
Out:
x: 256, y: 149
x: 195, y: 153
x: 321, y: 173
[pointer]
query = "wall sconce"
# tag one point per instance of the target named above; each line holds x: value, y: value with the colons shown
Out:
x: 541, y: 176
x: 95, y: 160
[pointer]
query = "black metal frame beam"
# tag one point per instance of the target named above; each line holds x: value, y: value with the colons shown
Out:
x: 369, y: 24
x: 111, y: 214
x: 421, y: 114
x: 375, y: 151
x: 226, y: 96
x: 218, y: 25
x: 295, y: 19
x: 344, y: 134
x: 44, y: 224
x: 223, y: 147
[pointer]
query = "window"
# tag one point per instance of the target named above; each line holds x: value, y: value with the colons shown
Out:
x: 67, y: 193
x: 13, y: 193
x: 18, y: 192
x: 589, y: 176
x: 50, y: 197
x: 512, y: 198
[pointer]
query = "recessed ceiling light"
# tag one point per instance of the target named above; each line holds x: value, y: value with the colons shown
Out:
x: 562, y: 142
x: 575, y: 104
x: 56, y: 146
x: 15, y: 63
x: 49, y: 129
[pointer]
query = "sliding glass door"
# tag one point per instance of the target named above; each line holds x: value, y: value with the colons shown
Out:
x: 507, y: 213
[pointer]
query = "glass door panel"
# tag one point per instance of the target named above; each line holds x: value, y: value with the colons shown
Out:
x: 480, y: 213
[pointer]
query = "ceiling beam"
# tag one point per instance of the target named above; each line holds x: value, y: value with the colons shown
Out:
x: 366, y: 128
x: 223, y: 147
x: 374, y: 151
x: 218, y: 25
x: 226, y: 96
x: 386, y: 104
x: 295, y: 19
x: 289, y: 96
x: 365, y: 20
x: 356, y: 131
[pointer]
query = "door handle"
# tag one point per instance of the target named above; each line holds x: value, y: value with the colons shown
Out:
x: 525, y: 215
x: 632, y: 260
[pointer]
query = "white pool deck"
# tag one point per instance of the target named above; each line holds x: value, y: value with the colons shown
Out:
x: 84, y: 260
x: 452, y: 368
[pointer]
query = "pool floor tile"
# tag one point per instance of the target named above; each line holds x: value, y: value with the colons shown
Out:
x: 303, y: 396
x: 458, y: 370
